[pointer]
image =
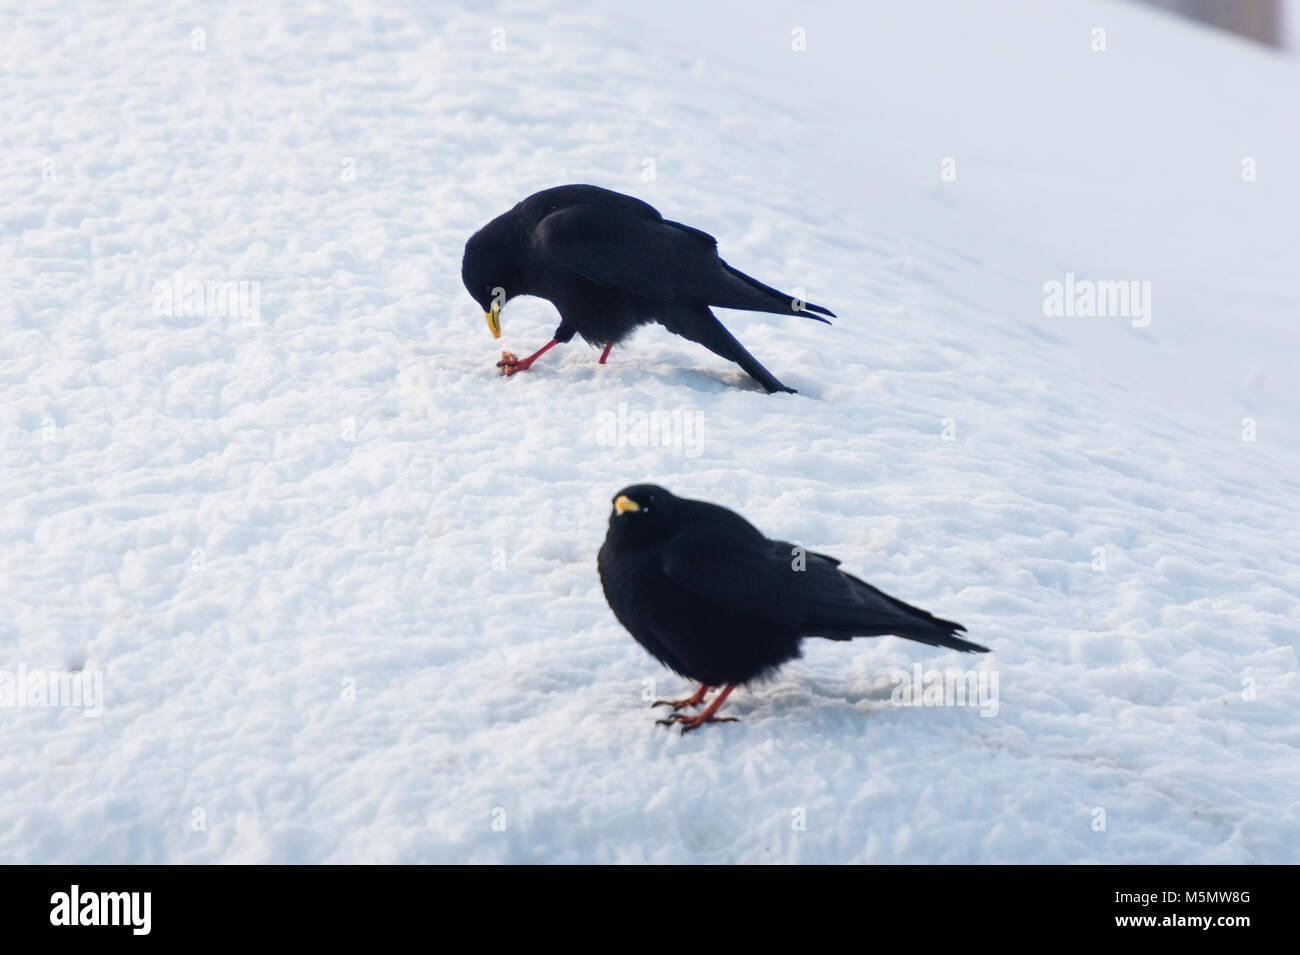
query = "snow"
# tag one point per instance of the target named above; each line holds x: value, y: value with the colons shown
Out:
x: 338, y: 579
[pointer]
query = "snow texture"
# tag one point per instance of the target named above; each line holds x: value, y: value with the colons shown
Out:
x: 338, y: 577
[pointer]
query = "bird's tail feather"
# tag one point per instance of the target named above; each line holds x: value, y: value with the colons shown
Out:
x: 934, y: 633
x: 941, y: 633
x: 901, y: 620
x: 752, y: 295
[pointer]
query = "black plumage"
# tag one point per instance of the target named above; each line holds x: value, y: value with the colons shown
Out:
x: 714, y: 600
x: 610, y: 263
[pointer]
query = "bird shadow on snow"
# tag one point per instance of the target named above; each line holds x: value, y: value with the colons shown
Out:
x: 634, y: 371
x: 702, y: 380
x: 805, y: 694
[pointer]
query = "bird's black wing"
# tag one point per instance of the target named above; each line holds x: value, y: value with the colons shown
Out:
x: 616, y: 248
x: 745, y: 574
x: 626, y: 248
x: 784, y: 584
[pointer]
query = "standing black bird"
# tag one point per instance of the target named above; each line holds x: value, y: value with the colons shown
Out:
x: 713, y: 599
x: 610, y: 263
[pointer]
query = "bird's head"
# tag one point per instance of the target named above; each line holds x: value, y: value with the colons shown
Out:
x: 642, y: 512
x: 491, y: 272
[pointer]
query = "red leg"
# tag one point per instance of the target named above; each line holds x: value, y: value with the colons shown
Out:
x: 695, y: 699
x: 523, y: 364
x: 689, y: 723
x: 605, y: 353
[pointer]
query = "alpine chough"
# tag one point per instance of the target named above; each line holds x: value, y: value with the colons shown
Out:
x: 610, y: 263
x: 714, y: 600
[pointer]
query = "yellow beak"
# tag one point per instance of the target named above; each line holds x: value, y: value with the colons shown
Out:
x: 494, y: 320
x: 623, y: 504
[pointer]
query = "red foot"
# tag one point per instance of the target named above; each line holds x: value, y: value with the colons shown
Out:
x: 605, y: 353
x: 688, y: 723
x: 695, y: 699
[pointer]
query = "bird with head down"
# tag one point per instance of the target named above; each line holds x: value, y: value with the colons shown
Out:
x: 714, y: 600
x: 610, y: 263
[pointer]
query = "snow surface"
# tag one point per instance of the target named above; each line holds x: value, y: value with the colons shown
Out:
x: 339, y: 579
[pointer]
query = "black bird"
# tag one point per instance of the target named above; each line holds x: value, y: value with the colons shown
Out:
x: 610, y: 263
x: 714, y: 600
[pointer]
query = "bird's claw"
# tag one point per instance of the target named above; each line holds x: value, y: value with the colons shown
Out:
x: 689, y: 723
x: 695, y: 699
x: 678, y: 704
